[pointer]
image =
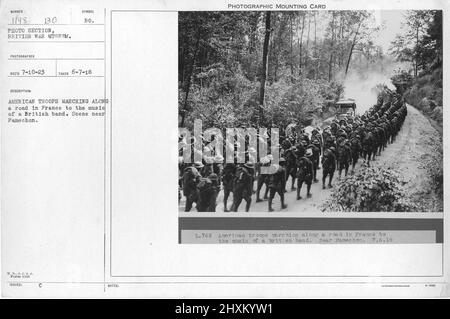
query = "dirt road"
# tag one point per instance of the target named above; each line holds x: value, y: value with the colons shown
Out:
x: 409, y: 155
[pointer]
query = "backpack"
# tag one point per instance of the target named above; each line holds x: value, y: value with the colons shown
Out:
x: 242, y: 176
x: 189, y: 179
x: 205, y: 186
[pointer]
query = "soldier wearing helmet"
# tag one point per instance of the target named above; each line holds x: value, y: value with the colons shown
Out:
x: 208, y: 189
x: 329, y: 165
x: 305, y: 173
x: 277, y: 182
x: 315, y: 157
x: 191, y: 178
x: 243, y: 186
x: 263, y: 178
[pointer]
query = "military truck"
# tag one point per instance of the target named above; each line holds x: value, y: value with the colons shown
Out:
x: 345, y: 106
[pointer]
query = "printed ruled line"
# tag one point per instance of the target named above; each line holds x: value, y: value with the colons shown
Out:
x: 227, y: 282
x: 50, y: 24
x: 104, y: 156
x: 67, y: 59
x: 55, y: 76
x: 55, y: 41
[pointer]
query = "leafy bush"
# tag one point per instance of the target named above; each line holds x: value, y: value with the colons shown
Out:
x: 438, y: 96
x: 425, y: 93
x: 369, y: 190
x: 227, y: 98
x: 437, y: 114
x: 436, y: 170
x: 221, y: 98
x: 402, y: 80
x: 437, y: 77
x: 288, y: 102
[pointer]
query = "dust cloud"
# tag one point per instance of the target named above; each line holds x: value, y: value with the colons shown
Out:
x: 362, y: 88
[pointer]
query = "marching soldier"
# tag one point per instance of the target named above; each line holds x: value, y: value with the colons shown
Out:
x: 208, y: 188
x: 277, y: 183
x: 305, y: 173
x: 328, y: 165
x: 191, y: 178
x: 217, y: 166
x: 368, y: 144
x: 300, y: 149
x: 290, y: 165
x: 251, y: 157
x: 343, y: 156
x: 342, y: 123
x: 243, y: 185
x: 304, y: 137
x: 207, y: 167
x: 316, y: 136
x: 328, y: 138
x: 334, y: 127
x: 228, y: 174
x: 180, y: 176
x: 355, y: 146
x: 263, y: 179
x: 286, y: 144
x: 315, y: 158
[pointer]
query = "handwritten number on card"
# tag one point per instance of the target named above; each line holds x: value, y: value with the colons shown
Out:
x: 50, y: 20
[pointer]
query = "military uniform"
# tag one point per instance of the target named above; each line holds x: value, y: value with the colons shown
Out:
x: 368, y: 145
x: 262, y: 179
x: 208, y: 188
x: 206, y: 170
x: 315, y: 158
x: 191, y: 178
x: 291, y: 167
x: 300, y: 149
x: 329, y: 141
x: 243, y: 185
x: 316, y: 136
x: 217, y: 167
x: 329, y: 165
x: 355, y: 150
x: 286, y: 144
x: 304, y: 138
x: 334, y: 127
x: 228, y: 174
x: 343, y: 157
x: 277, y: 182
x: 181, y: 167
x: 305, y: 174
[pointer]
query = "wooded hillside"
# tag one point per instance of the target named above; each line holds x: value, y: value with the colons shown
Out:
x: 269, y: 68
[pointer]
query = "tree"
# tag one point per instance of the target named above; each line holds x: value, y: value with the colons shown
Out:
x: 430, y: 48
x: 300, y: 42
x: 307, y: 42
x: 264, y: 63
x: 240, y: 67
x: 415, y: 44
x: 330, y: 63
x: 420, y: 43
x: 363, y: 31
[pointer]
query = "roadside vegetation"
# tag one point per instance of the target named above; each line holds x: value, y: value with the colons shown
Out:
x: 421, y: 47
x: 371, y: 189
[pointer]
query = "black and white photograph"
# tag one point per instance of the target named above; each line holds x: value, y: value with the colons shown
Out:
x: 310, y: 111
x: 224, y: 149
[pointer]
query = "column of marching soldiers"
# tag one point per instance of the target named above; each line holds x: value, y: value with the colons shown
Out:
x: 338, y: 146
